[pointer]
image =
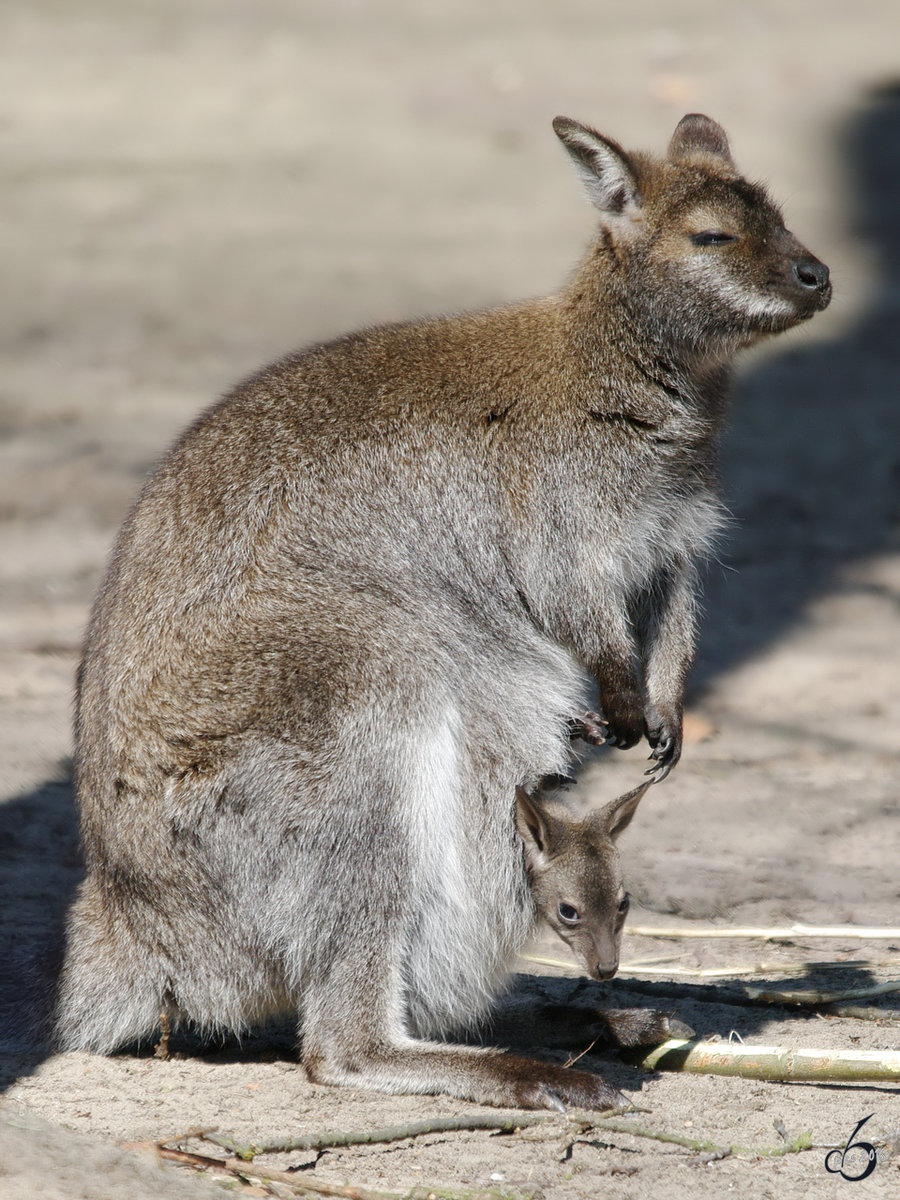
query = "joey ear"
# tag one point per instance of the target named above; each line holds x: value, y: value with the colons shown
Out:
x: 616, y: 816
x: 533, y: 827
x: 604, y: 167
x: 695, y: 136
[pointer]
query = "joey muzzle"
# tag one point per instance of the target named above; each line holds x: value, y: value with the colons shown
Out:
x: 605, y: 969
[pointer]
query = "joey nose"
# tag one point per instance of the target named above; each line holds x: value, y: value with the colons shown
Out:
x: 811, y: 274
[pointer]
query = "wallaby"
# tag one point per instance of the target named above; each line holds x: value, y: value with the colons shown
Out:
x: 361, y: 603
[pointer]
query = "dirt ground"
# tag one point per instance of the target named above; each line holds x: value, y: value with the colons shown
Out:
x: 192, y: 187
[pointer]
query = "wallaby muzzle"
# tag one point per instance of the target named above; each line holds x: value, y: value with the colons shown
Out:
x: 813, y: 275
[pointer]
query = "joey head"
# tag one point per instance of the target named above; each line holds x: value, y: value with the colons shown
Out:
x: 370, y: 595
x: 573, y: 870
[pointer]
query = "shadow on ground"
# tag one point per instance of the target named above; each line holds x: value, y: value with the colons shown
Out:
x: 40, y: 867
x: 812, y: 457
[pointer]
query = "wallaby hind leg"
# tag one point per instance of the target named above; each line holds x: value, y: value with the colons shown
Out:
x: 353, y: 1033
x: 111, y: 990
x: 131, y: 957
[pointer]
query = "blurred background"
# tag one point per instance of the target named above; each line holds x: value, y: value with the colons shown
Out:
x: 193, y: 187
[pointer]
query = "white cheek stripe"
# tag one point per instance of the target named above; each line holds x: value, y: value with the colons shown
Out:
x: 748, y: 300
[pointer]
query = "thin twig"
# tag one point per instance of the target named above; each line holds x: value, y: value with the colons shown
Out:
x: 392, y: 1133
x: 742, y: 995
x: 798, y: 1144
x: 200, y: 1162
x: 573, y: 1058
x: 776, y: 934
x: 180, y: 1156
x: 237, y: 1166
x: 650, y: 967
x: 350, y: 1192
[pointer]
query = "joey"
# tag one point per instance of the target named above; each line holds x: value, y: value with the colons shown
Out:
x: 576, y: 881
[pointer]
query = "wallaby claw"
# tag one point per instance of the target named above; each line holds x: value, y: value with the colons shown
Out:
x: 591, y: 727
x: 664, y: 755
x: 659, y: 770
x: 550, y: 1099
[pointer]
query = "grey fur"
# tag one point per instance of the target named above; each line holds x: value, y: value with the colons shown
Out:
x: 361, y: 602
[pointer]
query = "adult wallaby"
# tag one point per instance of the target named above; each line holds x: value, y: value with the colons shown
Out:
x: 361, y: 602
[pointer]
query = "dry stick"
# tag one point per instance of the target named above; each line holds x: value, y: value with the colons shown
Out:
x: 180, y: 1156
x: 200, y: 1162
x: 742, y: 995
x: 587, y: 1121
x: 771, y: 1062
x: 236, y: 1166
x: 806, y: 997
x: 803, y: 1142
x: 611, y: 1122
x: 853, y: 1012
x: 392, y: 1133
x: 777, y: 934
x: 761, y: 968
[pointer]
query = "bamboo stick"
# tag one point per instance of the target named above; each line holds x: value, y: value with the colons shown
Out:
x: 771, y: 1062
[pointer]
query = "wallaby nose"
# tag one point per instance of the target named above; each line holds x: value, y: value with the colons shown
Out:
x: 605, y: 970
x: 812, y: 274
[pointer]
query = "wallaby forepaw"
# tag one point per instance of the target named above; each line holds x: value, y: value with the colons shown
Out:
x: 591, y: 727
x: 642, y: 1026
x: 619, y: 724
x: 623, y: 715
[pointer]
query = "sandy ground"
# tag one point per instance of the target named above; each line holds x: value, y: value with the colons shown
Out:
x: 194, y: 186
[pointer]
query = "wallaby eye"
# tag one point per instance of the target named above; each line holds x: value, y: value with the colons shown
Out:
x: 712, y: 237
x: 624, y: 905
x: 568, y: 914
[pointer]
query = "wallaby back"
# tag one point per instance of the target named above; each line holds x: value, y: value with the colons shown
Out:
x: 366, y: 597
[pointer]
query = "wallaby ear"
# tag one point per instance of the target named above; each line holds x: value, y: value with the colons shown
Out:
x: 604, y: 167
x: 534, y: 829
x: 616, y: 816
x: 696, y: 136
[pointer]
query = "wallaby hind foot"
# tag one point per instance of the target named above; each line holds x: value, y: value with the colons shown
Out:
x: 485, y: 1076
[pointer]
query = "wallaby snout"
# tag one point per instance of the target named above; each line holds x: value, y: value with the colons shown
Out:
x: 814, y: 276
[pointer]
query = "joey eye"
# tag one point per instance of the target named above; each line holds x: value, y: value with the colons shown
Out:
x: 624, y: 905
x: 568, y: 914
x: 713, y: 237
